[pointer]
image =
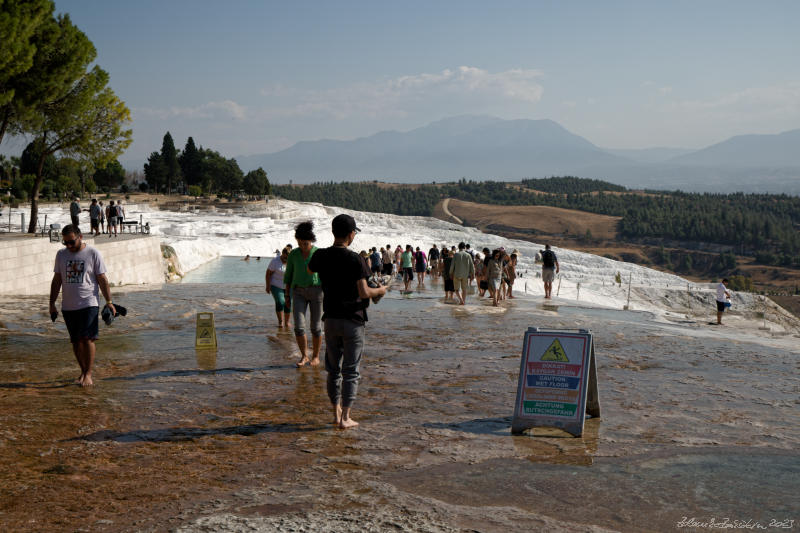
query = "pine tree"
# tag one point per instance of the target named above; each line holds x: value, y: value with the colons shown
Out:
x: 169, y: 157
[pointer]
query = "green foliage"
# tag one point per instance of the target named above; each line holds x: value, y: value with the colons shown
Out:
x: 571, y: 185
x: 741, y: 283
x: 62, y: 55
x: 618, y: 278
x: 155, y: 172
x: 191, y: 161
x: 195, y: 190
x: 256, y: 183
x: 20, y: 20
x: 757, y: 224
x: 169, y: 156
x: 110, y: 176
x: 32, y: 156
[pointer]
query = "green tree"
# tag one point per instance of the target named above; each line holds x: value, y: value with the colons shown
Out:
x: 169, y: 156
x: 256, y: 183
x: 29, y: 162
x: 155, y: 172
x: 109, y: 176
x: 62, y: 55
x: 86, y: 123
x: 19, y: 22
x: 191, y: 162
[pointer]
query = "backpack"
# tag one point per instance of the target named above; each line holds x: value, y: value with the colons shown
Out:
x: 548, y: 259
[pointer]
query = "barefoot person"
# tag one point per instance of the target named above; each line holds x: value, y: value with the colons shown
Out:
x: 276, y: 288
x: 723, y: 298
x: 461, y: 270
x: 550, y: 268
x: 344, y: 275
x: 80, y: 271
x: 304, y: 293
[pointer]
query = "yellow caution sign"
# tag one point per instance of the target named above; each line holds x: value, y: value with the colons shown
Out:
x: 206, y: 335
x: 555, y: 353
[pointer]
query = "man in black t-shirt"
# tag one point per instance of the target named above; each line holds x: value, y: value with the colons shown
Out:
x: 343, y: 275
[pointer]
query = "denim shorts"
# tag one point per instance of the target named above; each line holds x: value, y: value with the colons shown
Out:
x: 82, y: 323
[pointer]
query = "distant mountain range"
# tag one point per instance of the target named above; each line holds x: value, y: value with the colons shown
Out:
x: 483, y: 147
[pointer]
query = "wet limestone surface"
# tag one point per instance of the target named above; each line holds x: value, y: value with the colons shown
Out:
x: 172, y: 438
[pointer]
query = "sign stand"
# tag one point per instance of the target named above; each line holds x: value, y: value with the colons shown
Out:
x: 557, y: 381
x: 206, y: 333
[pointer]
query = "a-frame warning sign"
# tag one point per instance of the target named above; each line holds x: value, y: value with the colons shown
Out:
x: 557, y: 381
x: 555, y: 353
x: 206, y: 333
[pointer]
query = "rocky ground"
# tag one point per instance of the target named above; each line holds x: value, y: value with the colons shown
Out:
x: 697, y: 422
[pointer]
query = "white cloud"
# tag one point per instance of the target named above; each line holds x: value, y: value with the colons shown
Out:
x: 398, y: 97
x: 783, y: 98
x: 225, y: 109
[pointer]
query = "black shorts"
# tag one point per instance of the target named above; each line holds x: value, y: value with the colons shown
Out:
x: 484, y: 285
x: 408, y: 273
x: 449, y: 286
x: 81, y: 323
x: 95, y: 223
x: 387, y: 269
x: 721, y: 307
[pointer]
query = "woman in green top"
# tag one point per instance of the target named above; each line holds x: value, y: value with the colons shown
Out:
x: 304, y: 292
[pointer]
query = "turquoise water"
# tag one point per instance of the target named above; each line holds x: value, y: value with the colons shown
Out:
x: 229, y: 270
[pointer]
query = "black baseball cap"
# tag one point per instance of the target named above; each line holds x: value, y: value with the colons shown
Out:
x: 342, y: 225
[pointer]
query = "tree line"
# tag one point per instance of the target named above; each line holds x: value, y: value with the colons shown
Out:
x: 198, y: 171
x: 50, y: 91
x: 761, y: 225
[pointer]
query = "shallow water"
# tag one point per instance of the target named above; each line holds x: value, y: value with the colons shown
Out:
x: 690, y: 426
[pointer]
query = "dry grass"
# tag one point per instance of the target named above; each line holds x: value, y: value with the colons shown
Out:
x: 544, y: 220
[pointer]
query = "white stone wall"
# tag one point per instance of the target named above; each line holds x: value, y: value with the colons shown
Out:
x: 26, y: 262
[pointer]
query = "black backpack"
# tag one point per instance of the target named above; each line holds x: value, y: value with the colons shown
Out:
x: 548, y: 259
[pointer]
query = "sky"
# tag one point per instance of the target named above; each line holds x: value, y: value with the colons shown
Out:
x: 248, y: 77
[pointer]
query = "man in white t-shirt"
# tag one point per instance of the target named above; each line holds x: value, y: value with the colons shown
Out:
x: 722, y: 299
x: 80, y: 271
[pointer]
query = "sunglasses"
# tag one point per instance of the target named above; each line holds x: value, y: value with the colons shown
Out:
x: 70, y: 242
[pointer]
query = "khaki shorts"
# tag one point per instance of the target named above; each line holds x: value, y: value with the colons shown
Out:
x: 548, y: 275
x: 461, y: 284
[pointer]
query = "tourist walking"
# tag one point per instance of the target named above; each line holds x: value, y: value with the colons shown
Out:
x: 78, y: 274
x: 344, y: 278
x: 111, y: 216
x: 723, y: 299
x: 102, y: 217
x: 74, y: 211
x: 304, y: 293
x: 420, y: 266
x: 480, y: 275
x: 386, y: 259
x: 276, y: 288
x: 461, y: 270
x: 433, y: 261
x: 94, y: 217
x: 407, y: 266
x: 446, y: 261
x: 550, y: 268
x: 511, y: 273
x: 494, y: 273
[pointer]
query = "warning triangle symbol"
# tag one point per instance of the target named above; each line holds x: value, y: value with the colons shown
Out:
x: 555, y: 353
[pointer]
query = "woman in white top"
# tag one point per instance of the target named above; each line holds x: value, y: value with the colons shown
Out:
x: 275, y: 287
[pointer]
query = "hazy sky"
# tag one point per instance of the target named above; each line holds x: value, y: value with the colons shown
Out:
x: 247, y: 77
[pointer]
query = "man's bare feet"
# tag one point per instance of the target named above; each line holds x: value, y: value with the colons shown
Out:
x: 314, y: 361
x: 302, y: 362
x: 87, y: 381
x: 347, y: 423
x: 337, y: 414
